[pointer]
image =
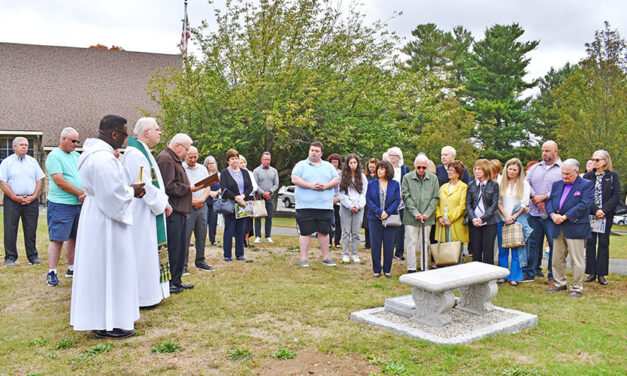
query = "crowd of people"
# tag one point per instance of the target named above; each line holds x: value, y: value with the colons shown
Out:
x: 128, y: 221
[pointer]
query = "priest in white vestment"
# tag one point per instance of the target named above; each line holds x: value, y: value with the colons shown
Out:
x: 104, y: 289
x: 149, y: 212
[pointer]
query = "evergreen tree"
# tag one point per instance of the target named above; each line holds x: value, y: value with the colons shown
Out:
x: 495, y: 83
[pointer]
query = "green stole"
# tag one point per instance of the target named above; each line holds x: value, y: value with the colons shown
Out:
x: 162, y: 237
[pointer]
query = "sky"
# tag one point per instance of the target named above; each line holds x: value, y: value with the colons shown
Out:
x: 561, y: 26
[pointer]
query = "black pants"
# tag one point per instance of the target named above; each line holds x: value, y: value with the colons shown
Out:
x: 597, y: 259
x: 399, y: 240
x: 176, y: 245
x: 481, y: 243
x: 212, y: 222
x: 338, y: 227
x: 29, y: 214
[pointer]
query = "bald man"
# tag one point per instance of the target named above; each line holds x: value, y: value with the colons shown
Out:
x: 541, y: 178
x: 197, y: 219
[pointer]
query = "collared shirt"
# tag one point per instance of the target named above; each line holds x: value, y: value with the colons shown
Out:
x: 66, y: 164
x: 195, y: 175
x: 267, y: 179
x: 21, y: 174
x: 324, y: 172
x: 565, y: 192
x: 541, y: 177
x: 480, y: 208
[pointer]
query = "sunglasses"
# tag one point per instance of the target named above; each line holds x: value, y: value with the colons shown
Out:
x: 120, y: 132
x: 75, y: 141
x: 421, y: 168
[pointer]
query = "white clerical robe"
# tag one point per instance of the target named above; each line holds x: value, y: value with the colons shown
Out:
x: 104, y: 288
x: 145, y: 210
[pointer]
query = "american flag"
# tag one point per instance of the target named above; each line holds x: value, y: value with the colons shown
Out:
x: 185, y: 34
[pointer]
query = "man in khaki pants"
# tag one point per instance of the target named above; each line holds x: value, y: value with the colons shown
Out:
x: 568, y: 207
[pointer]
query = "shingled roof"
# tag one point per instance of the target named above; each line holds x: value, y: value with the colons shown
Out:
x: 47, y: 88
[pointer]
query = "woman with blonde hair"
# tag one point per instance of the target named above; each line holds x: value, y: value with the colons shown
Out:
x: 482, y: 199
x: 514, y: 195
x: 606, y: 198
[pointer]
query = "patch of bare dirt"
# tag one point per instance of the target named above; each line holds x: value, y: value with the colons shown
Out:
x: 311, y: 363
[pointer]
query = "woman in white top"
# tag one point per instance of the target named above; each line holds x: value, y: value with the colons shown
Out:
x: 352, y: 201
x: 513, y: 200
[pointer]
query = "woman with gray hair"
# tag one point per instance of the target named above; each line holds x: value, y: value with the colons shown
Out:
x: 606, y: 198
x: 212, y: 217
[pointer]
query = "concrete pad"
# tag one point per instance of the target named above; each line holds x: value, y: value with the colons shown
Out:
x: 465, y: 327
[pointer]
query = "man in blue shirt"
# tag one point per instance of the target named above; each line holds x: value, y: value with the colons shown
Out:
x: 21, y: 180
x: 314, y: 180
x: 65, y: 198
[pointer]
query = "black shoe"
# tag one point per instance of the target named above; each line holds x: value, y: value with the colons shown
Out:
x: 241, y: 258
x: 399, y: 257
x: 34, y: 261
x: 591, y: 278
x: 115, y: 333
x: 185, y: 271
x: 148, y: 308
x: 185, y: 286
x: 540, y: 274
x: 175, y: 289
x: 602, y: 281
x: 411, y: 271
x: 205, y: 267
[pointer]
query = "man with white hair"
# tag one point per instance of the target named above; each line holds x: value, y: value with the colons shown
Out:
x: 447, y: 157
x: 421, y: 192
x: 179, y: 192
x: 568, y: 207
x: 149, y: 214
x: 21, y: 180
x: 65, y: 198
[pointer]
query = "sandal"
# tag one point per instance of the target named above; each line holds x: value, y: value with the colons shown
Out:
x: 513, y: 283
x: 500, y: 281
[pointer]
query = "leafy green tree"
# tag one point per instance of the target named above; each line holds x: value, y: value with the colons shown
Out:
x: 495, y: 83
x: 546, y: 117
x: 591, y: 103
x: 275, y: 75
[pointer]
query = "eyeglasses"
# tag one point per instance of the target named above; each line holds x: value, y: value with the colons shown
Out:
x: 596, y: 159
x: 394, y: 155
x: 75, y: 141
x: 121, y: 132
x: 421, y: 168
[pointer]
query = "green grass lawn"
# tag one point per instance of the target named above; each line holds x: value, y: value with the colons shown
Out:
x: 238, y: 318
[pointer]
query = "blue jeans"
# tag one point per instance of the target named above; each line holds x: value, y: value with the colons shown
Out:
x: 268, y: 226
x: 234, y: 227
x: 381, y: 236
x: 541, y: 228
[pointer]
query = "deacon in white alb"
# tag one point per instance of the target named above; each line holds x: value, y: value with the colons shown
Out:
x: 149, y: 212
x: 104, y: 290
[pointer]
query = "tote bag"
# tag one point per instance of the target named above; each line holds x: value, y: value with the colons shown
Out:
x: 259, y: 207
x: 513, y: 236
x: 446, y: 253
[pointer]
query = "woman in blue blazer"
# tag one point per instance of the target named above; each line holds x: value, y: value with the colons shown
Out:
x: 387, y: 191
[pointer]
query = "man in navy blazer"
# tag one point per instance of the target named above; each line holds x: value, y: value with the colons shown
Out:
x: 569, y: 209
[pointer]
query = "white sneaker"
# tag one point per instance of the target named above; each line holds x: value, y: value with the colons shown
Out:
x: 356, y: 259
x: 269, y: 240
x: 345, y: 258
x: 257, y: 240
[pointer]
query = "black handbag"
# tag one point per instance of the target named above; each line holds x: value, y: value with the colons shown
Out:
x: 224, y: 206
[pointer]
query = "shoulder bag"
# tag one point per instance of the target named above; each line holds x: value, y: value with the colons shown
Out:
x: 446, y: 253
x: 513, y: 236
x: 259, y: 207
x: 224, y: 206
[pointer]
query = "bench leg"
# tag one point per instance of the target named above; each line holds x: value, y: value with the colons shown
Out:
x: 477, y: 298
x: 432, y: 309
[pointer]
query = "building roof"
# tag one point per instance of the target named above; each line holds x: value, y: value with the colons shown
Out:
x: 47, y: 88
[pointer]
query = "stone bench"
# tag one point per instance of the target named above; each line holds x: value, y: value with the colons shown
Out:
x: 432, y: 291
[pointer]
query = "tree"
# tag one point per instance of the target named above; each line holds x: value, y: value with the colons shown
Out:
x: 430, y: 51
x: 275, y: 75
x: 546, y: 117
x: 591, y: 103
x: 495, y: 83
